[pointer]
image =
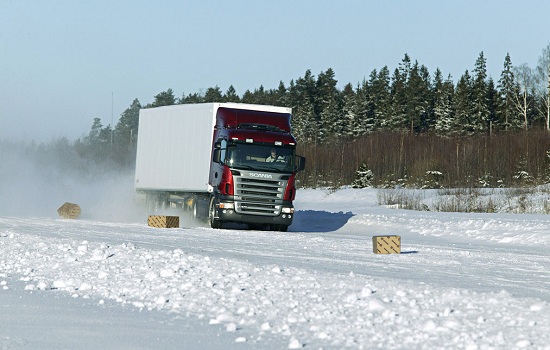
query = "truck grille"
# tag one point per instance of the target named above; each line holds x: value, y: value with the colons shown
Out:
x: 258, y: 196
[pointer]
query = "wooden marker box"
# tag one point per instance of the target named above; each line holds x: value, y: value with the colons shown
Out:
x: 163, y: 221
x: 386, y: 244
x: 69, y: 211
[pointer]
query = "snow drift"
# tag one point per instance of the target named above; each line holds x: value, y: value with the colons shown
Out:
x: 462, y: 281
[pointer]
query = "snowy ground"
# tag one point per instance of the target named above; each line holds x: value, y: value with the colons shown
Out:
x: 463, y: 281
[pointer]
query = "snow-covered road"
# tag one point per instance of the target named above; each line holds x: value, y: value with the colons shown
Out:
x: 462, y: 280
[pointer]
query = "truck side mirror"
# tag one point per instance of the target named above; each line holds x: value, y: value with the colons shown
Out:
x: 300, y: 163
x: 217, y: 145
x: 216, y: 155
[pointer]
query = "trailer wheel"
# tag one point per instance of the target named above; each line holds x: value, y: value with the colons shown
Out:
x: 195, y: 210
x: 212, y: 221
x: 152, y: 202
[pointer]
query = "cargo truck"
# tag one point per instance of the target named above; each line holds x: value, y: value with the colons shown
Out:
x: 223, y: 162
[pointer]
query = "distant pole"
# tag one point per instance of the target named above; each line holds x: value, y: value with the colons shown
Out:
x: 112, y: 113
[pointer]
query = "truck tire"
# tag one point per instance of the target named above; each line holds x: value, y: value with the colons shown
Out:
x: 195, y: 210
x: 255, y: 227
x: 212, y: 221
x: 280, y: 228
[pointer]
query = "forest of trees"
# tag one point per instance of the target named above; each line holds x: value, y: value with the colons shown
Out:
x: 402, y: 124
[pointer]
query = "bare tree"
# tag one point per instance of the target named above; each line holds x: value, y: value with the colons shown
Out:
x: 543, y: 84
x: 525, y: 80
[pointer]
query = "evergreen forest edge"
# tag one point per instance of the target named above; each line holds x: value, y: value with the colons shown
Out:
x: 401, y: 129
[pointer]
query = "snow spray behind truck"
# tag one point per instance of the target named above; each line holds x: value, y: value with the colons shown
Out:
x: 224, y: 162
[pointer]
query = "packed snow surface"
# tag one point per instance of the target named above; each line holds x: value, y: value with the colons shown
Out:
x: 462, y: 281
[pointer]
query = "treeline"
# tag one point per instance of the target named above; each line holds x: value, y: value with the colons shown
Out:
x: 427, y: 160
x: 408, y: 104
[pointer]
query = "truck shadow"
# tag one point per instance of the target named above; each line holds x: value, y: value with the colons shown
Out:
x: 319, y: 221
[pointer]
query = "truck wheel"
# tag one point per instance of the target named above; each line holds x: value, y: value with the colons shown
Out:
x: 281, y: 228
x: 212, y: 221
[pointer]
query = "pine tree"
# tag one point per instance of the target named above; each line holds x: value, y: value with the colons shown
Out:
x: 348, y: 111
x: 231, y: 95
x: 381, y: 98
x: 405, y: 67
x: 363, y: 177
x: 364, y: 109
x: 165, y: 98
x: 304, y: 122
x: 397, y: 120
x: 418, y: 96
x: 191, y: 98
x: 93, y: 135
x: 105, y: 137
x: 427, y: 102
x: 125, y: 134
x: 213, y: 94
x: 129, y: 120
x: 437, y: 93
x: 98, y: 141
x: 302, y: 95
x: 281, y: 96
x: 507, y: 90
x: 272, y: 97
x: 480, y: 111
x: 493, y: 102
x: 248, y: 97
x: 327, y: 103
x: 259, y: 96
x: 443, y: 105
x: 463, y: 121
x: 399, y: 117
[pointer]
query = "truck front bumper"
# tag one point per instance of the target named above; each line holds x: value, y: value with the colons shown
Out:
x: 230, y: 215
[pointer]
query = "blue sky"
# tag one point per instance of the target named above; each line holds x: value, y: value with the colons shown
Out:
x: 63, y: 63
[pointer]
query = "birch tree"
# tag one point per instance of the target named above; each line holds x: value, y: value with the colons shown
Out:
x: 543, y: 85
x: 522, y: 100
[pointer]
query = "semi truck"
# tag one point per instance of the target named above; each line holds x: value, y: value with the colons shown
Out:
x: 222, y: 162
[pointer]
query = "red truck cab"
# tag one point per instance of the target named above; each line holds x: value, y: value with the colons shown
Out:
x: 253, y: 169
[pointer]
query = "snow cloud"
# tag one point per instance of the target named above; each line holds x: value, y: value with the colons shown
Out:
x: 35, y: 180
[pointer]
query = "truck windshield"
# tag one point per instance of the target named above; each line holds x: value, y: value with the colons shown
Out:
x: 260, y: 157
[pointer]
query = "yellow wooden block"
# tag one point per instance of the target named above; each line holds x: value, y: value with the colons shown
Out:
x: 163, y: 221
x: 386, y: 244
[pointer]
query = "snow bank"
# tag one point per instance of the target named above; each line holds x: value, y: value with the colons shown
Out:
x: 312, y: 308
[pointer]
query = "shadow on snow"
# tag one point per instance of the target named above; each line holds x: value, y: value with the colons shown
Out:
x: 319, y: 221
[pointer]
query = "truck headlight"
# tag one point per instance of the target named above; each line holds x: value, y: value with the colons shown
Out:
x: 287, y: 210
x: 227, y: 205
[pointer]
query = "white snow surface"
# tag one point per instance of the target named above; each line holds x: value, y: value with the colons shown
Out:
x: 462, y: 281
